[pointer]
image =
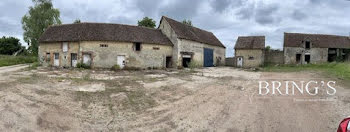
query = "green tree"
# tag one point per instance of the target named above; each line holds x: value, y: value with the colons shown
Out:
x: 77, y: 21
x: 268, y: 48
x: 9, y: 45
x: 35, y: 22
x: 147, y: 22
x: 187, y: 22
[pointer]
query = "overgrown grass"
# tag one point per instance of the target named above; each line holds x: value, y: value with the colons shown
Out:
x: 6, y: 60
x: 339, y: 70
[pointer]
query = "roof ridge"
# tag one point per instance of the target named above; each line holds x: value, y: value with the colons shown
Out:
x: 186, y: 24
x: 69, y: 24
x: 317, y: 34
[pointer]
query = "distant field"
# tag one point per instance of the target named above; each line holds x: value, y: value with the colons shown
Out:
x: 6, y: 60
x: 339, y: 70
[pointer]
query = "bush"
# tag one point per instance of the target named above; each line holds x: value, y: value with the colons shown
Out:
x: 34, y: 65
x: 115, y: 68
x: 193, y: 64
x: 84, y: 66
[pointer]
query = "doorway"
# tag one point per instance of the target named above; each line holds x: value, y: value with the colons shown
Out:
x: 56, y: 59
x: 298, y: 58
x: 74, y: 59
x: 240, y: 61
x: 121, y: 61
x: 307, y: 59
x: 208, y: 57
x: 168, y: 62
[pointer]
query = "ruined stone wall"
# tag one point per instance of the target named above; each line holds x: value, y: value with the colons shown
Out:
x: 274, y: 57
x: 231, y: 61
x: 256, y: 54
x: 318, y: 55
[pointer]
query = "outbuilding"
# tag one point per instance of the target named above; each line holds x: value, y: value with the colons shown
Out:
x: 249, y: 51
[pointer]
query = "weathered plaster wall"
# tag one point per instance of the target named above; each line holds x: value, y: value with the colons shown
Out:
x: 198, y: 50
x: 257, y: 54
x: 318, y: 55
x: 106, y: 57
x: 64, y: 57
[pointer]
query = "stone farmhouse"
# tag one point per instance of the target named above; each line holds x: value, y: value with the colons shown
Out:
x: 315, y: 48
x: 249, y: 51
x: 102, y: 45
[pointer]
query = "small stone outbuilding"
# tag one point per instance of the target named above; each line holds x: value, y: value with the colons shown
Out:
x: 302, y: 48
x: 249, y: 51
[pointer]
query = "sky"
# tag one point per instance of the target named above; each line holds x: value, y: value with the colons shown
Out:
x: 227, y: 19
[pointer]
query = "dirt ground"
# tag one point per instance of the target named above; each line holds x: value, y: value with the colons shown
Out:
x: 208, y: 99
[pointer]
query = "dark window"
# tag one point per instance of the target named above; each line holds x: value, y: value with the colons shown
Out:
x: 307, y: 44
x: 103, y: 45
x: 155, y: 48
x: 137, y: 46
x: 251, y: 58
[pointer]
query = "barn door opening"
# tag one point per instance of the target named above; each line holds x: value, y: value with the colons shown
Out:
x: 298, y: 58
x: 208, y: 57
x: 307, y: 59
x: 186, y: 60
x: 168, y: 62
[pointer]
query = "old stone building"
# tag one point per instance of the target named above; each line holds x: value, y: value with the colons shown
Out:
x: 192, y: 44
x: 249, y: 51
x: 315, y: 48
x: 105, y: 45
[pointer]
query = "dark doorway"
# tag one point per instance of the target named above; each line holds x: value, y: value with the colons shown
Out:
x: 307, y: 59
x: 168, y: 62
x: 307, y: 45
x: 298, y: 58
x: 186, y: 62
x: 208, y: 57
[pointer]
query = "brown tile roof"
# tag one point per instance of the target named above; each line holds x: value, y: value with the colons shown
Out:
x: 317, y: 40
x: 250, y: 42
x: 103, y: 32
x: 184, y: 31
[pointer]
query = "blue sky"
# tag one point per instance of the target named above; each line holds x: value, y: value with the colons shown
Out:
x: 227, y: 19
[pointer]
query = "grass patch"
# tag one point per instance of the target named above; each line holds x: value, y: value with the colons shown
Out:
x: 7, y: 60
x: 339, y: 70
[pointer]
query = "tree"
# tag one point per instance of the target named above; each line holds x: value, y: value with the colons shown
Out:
x: 77, y: 21
x: 9, y: 45
x: 147, y: 22
x: 35, y: 22
x: 268, y: 48
x: 187, y: 22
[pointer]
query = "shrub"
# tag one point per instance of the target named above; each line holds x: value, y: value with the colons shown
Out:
x: 84, y: 66
x: 34, y: 65
x: 115, y: 67
x: 193, y: 64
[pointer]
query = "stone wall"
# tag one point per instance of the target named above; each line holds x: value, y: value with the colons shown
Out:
x: 198, y: 52
x: 256, y: 55
x: 150, y: 56
x: 64, y: 57
x: 231, y: 61
x: 274, y: 57
x: 318, y: 55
